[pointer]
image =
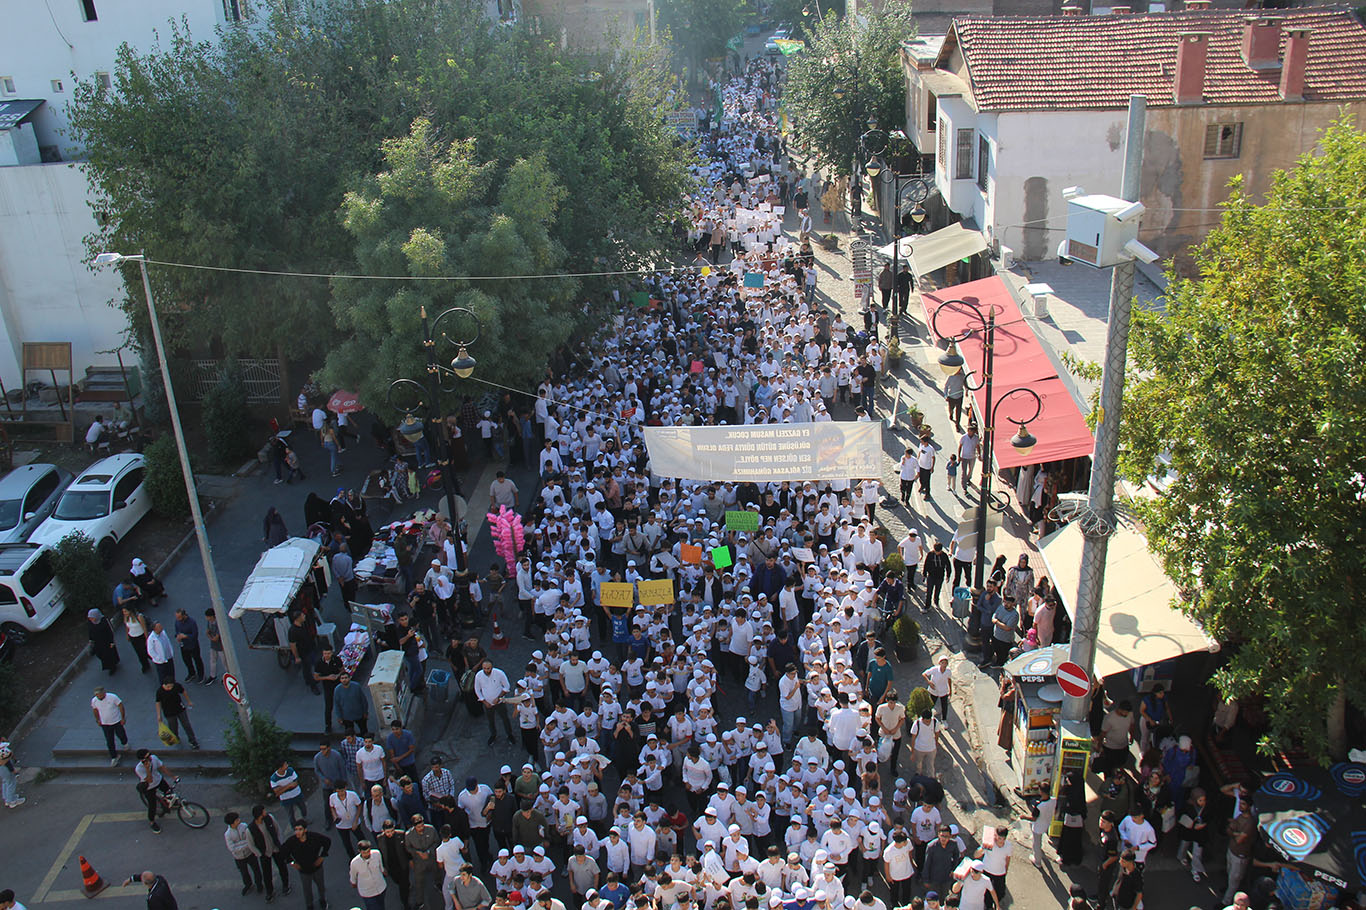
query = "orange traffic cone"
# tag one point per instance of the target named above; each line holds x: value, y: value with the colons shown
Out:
x: 91, y: 883
x: 500, y: 641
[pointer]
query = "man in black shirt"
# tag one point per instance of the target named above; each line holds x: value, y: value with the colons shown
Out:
x: 306, y: 851
x: 327, y: 671
x: 1128, y: 888
x: 936, y: 571
x: 1109, y: 852
x: 303, y: 641
x: 173, y: 705
x: 903, y: 289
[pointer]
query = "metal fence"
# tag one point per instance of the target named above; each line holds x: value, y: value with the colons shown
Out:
x: 260, y: 376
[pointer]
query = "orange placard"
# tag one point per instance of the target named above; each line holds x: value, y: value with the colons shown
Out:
x: 690, y: 554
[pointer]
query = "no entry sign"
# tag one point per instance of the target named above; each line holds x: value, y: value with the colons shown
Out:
x: 1072, y: 679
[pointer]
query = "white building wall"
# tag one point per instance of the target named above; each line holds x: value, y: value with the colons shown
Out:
x: 963, y: 195
x: 1040, y: 153
x: 46, y: 291
x: 47, y: 41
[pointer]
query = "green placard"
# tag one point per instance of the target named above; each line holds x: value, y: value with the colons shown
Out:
x: 754, y: 279
x: 742, y: 521
x: 640, y: 298
x: 721, y: 557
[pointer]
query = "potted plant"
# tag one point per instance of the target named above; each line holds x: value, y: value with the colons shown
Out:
x: 893, y: 353
x: 892, y: 563
x: 917, y: 416
x: 906, y: 632
x: 920, y: 701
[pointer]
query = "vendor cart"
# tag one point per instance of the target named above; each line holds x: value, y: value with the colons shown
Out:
x: 282, y: 582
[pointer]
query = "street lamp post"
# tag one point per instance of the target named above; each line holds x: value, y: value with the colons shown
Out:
x: 462, y: 367
x: 919, y: 191
x: 201, y: 534
x: 951, y: 362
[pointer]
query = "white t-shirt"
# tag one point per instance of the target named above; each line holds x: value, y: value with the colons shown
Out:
x: 345, y: 808
x: 574, y: 676
x: 922, y: 734
x: 371, y: 762
x: 448, y: 855
x: 108, y: 709
x: 938, y: 681
x: 900, y: 860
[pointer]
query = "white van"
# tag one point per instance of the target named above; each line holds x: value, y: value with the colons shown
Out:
x: 31, y: 597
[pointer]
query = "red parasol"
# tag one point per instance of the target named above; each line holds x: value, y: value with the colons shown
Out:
x: 344, y: 402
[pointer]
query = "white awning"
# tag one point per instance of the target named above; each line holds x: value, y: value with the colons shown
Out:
x: 1138, y: 624
x: 278, y: 576
x: 928, y: 252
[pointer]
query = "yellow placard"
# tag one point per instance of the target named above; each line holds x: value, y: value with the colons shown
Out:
x: 618, y: 594
x: 656, y: 592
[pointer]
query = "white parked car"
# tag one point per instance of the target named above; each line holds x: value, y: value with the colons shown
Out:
x: 28, y: 494
x: 31, y: 597
x: 104, y: 503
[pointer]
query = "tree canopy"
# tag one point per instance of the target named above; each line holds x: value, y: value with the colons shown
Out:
x: 699, y: 29
x: 850, y: 71
x: 242, y: 152
x: 1253, y: 383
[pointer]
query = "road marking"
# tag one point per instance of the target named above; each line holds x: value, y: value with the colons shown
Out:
x: 69, y: 848
x: 45, y: 893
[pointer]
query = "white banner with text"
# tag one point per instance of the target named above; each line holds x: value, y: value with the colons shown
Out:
x: 836, y: 450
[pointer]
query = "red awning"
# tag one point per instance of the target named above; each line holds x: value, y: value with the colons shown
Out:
x: 1020, y: 362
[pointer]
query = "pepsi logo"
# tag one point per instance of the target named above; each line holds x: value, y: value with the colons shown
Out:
x: 1283, y: 786
x: 1295, y: 838
x: 1354, y: 776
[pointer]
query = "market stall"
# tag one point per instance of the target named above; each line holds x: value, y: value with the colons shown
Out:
x: 1315, y: 819
x: 281, y: 584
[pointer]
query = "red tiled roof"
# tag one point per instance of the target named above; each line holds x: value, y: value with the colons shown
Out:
x: 1021, y: 63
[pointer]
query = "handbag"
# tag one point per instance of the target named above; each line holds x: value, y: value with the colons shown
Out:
x: 166, y: 735
x: 884, y: 748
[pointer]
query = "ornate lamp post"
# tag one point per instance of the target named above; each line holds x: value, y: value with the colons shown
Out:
x: 410, y: 397
x: 951, y: 362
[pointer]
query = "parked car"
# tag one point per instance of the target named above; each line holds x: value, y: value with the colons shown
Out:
x: 31, y: 597
x: 771, y: 45
x: 28, y: 494
x: 104, y: 503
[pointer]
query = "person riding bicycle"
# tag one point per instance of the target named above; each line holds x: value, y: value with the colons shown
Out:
x: 891, y: 599
x: 152, y: 775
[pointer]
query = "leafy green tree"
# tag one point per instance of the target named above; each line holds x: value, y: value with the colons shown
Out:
x: 165, y: 480
x: 437, y: 210
x: 1254, y: 384
x: 79, y: 568
x: 850, y: 71
x: 239, y: 153
x: 226, y: 418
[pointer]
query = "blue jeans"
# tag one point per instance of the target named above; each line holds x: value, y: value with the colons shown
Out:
x: 423, y: 452
x: 376, y: 902
x: 789, y: 725
x: 332, y: 453
x: 9, y: 784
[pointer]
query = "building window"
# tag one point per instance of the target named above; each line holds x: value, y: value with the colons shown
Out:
x: 103, y: 81
x: 57, y: 87
x: 7, y: 85
x: 983, y: 162
x: 234, y: 10
x: 943, y: 146
x: 88, y: 13
x: 931, y: 111
x: 1223, y: 140
x: 964, y: 155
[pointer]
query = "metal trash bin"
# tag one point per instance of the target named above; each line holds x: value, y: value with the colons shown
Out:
x: 438, y: 686
x: 962, y: 601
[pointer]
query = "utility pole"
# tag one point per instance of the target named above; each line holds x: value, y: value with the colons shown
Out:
x: 1099, y: 519
x: 220, y: 611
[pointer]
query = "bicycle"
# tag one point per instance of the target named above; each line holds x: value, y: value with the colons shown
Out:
x: 191, y: 813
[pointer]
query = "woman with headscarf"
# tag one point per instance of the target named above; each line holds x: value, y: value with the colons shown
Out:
x: 1073, y: 807
x: 149, y: 584
x: 317, y: 511
x: 273, y: 530
x: 102, y: 641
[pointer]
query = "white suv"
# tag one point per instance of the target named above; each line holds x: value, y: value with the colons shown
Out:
x: 104, y: 504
